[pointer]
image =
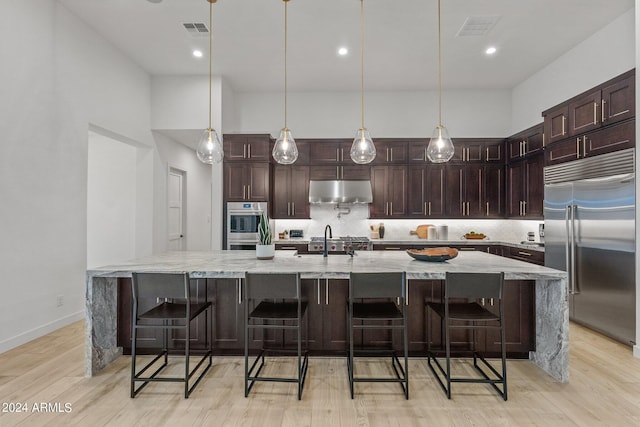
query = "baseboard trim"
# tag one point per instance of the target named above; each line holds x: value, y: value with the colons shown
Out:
x: 32, y: 334
x: 636, y: 351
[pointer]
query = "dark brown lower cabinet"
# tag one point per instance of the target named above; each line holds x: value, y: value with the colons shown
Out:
x: 327, y: 326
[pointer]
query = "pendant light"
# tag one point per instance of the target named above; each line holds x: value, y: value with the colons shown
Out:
x: 285, y: 151
x: 210, y: 148
x: 440, y: 147
x: 363, y: 150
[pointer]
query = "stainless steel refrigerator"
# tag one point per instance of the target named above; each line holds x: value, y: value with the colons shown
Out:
x: 589, y: 223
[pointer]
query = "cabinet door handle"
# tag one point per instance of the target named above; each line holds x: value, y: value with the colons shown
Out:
x: 425, y: 208
x: 577, y: 147
x: 391, y: 248
x: 337, y: 172
x: 524, y: 208
x: 288, y: 209
x: 429, y: 208
x: 318, y: 290
x: 326, y: 291
x: 249, y: 191
x: 387, y: 154
x: 584, y: 146
x: 244, y: 192
x: 293, y: 208
x: 491, y: 301
x: 244, y: 151
x: 487, y: 208
x: 391, y: 150
x: 468, y: 209
x: 239, y: 288
x: 524, y: 253
x: 602, y: 115
x: 390, y: 208
x: 406, y: 296
x: 487, y: 154
x: 564, y: 119
x: 425, y: 154
x: 482, y: 301
x: 595, y: 113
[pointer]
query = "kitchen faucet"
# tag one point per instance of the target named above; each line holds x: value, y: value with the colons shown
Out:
x: 324, y: 250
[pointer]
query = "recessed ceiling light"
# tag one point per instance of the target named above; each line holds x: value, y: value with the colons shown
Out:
x: 154, y: 1
x: 197, y: 53
x: 491, y: 50
x: 343, y: 51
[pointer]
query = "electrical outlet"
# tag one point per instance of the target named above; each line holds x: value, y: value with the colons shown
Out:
x: 60, y: 300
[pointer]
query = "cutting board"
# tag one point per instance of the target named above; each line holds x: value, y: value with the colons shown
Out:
x: 422, y: 231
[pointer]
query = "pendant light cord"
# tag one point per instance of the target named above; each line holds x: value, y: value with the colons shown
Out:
x: 285, y: 62
x: 362, y: 60
x: 439, y: 72
x: 210, y: 56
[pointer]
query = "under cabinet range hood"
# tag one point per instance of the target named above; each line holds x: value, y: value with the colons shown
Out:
x: 340, y: 192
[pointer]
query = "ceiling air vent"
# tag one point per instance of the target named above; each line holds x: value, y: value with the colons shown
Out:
x: 196, y: 29
x: 477, y: 25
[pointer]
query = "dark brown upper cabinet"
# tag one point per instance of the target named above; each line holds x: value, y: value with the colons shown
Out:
x: 527, y: 142
x: 426, y: 191
x: 389, y: 188
x: 290, y: 192
x: 390, y: 151
x: 478, y: 150
x: 608, y: 103
x: 245, y: 147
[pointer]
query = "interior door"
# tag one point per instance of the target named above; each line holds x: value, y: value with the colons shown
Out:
x: 175, y: 200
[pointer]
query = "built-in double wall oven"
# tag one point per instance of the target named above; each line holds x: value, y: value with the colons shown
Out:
x: 243, y: 219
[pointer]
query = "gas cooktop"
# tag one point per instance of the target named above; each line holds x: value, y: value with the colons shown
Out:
x: 340, y: 244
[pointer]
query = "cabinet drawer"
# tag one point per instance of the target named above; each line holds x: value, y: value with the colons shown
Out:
x: 534, y: 257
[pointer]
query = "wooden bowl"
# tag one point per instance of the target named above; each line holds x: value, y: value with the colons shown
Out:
x: 475, y: 236
x: 433, y: 254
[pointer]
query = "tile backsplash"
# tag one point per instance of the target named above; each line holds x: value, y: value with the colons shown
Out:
x: 356, y: 223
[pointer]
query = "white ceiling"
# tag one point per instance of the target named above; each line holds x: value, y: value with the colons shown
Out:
x: 400, y: 40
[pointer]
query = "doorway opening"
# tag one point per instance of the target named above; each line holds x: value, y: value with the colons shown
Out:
x: 111, y: 200
x: 176, y: 202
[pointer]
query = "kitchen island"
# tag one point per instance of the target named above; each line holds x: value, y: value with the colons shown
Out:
x: 551, y: 306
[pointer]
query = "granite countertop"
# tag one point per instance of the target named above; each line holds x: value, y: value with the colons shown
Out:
x: 234, y: 264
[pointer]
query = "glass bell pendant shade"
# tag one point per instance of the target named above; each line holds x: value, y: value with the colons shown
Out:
x: 285, y: 150
x: 363, y: 150
x: 440, y: 149
x: 210, y: 148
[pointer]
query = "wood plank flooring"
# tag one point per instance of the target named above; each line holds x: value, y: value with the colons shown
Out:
x: 604, y: 389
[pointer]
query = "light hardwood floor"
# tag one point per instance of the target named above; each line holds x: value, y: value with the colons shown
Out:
x: 604, y: 389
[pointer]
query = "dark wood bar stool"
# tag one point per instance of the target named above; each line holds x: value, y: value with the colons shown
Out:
x: 369, y: 307
x: 469, y: 314
x: 175, y: 312
x: 278, y: 305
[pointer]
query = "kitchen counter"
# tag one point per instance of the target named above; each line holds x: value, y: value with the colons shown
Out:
x: 550, y: 287
x: 431, y: 243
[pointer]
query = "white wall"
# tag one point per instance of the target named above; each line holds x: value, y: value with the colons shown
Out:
x: 111, y: 200
x: 606, y: 54
x: 56, y: 80
x: 387, y: 114
x: 198, y: 200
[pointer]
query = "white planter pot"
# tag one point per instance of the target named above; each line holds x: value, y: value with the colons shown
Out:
x: 265, y: 251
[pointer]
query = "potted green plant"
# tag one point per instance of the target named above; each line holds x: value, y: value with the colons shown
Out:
x: 265, y: 249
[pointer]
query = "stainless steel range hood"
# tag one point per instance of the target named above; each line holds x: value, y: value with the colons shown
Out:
x: 340, y: 192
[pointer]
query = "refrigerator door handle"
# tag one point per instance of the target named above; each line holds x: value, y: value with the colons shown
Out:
x: 569, y: 246
x: 574, y: 268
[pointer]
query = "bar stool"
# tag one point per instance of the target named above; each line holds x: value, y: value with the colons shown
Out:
x: 279, y: 305
x: 376, y: 311
x: 470, y: 287
x: 167, y: 315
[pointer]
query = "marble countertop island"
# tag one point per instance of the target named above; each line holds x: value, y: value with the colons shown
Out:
x: 552, y: 320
